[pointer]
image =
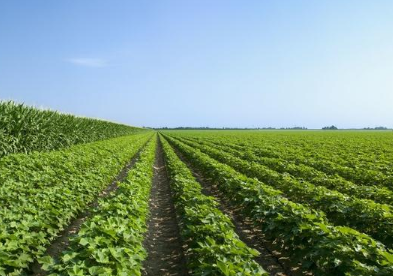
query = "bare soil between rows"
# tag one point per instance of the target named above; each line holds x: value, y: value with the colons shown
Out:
x: 272, y: 259
x: 163, y: 242
x: 61, y: 243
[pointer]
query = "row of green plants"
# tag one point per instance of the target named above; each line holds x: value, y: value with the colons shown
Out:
x: 356, y: 149
x: 302, y: 232
x: 41, y: 192
x: 213, y: 248
x: 363, y: 215
x: 321, y: 160
x: 303, y: 172
x: 24, y: 129
x: 110, y: 242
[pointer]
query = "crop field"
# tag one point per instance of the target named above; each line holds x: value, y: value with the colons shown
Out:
x: 82, y: 196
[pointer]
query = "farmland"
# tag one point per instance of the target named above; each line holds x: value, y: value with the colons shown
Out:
x: 83, y: 196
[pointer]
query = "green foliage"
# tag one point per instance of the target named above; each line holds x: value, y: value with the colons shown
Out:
x: 24, y: 129
x: 305, y: 233
x: 110, y: 242
x: 362, y: 157
x: 376, y: 219
x: 213, y: 248
x: 301, y: 171
x: 41, y: 192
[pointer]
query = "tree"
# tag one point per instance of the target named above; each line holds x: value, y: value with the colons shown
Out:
x: 332, y: 127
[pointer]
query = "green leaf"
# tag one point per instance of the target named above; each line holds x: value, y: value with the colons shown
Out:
x: 47, y: 262
x: 223, y: 267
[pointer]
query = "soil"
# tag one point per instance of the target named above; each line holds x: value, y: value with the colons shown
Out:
x: 163, y: 242
x: 61, y: 243
x: 272, y: 260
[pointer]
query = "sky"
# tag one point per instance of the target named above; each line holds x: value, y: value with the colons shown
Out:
x: 202, y: 63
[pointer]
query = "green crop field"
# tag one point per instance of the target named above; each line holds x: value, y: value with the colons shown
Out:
x: 82, y: 196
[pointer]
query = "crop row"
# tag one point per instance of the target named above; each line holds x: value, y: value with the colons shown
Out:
x: 24, y: 129
x: 41, y: 192
x: 350, y: 149
x: 110, y: 242
x: 213, y: 248
x: 303, y: 172
x: 303, y: 232
x: 359, y: 175
x: 375, y: 219
x: 356, y: 150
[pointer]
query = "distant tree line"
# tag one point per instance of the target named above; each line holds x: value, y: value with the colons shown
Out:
x: 375, y: 128
x: 330, y: 127
x: 226, y: 128
x: 293, y: 128
x: 210, y: 128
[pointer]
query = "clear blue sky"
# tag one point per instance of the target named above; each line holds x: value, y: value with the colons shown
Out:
x: 202, y: 63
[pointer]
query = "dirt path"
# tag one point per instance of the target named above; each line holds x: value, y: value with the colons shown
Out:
x: 270, y: 259
x: 163, y: 243
x: 62, y: 241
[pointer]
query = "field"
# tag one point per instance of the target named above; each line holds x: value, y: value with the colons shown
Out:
x: 129, y: 201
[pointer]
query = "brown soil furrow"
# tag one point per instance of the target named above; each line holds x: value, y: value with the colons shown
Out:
x: 60, y: 243
x: 163, y: 242
x: 271, y: 259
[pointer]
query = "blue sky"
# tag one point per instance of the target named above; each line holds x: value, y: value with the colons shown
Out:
x: 202, y: 63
